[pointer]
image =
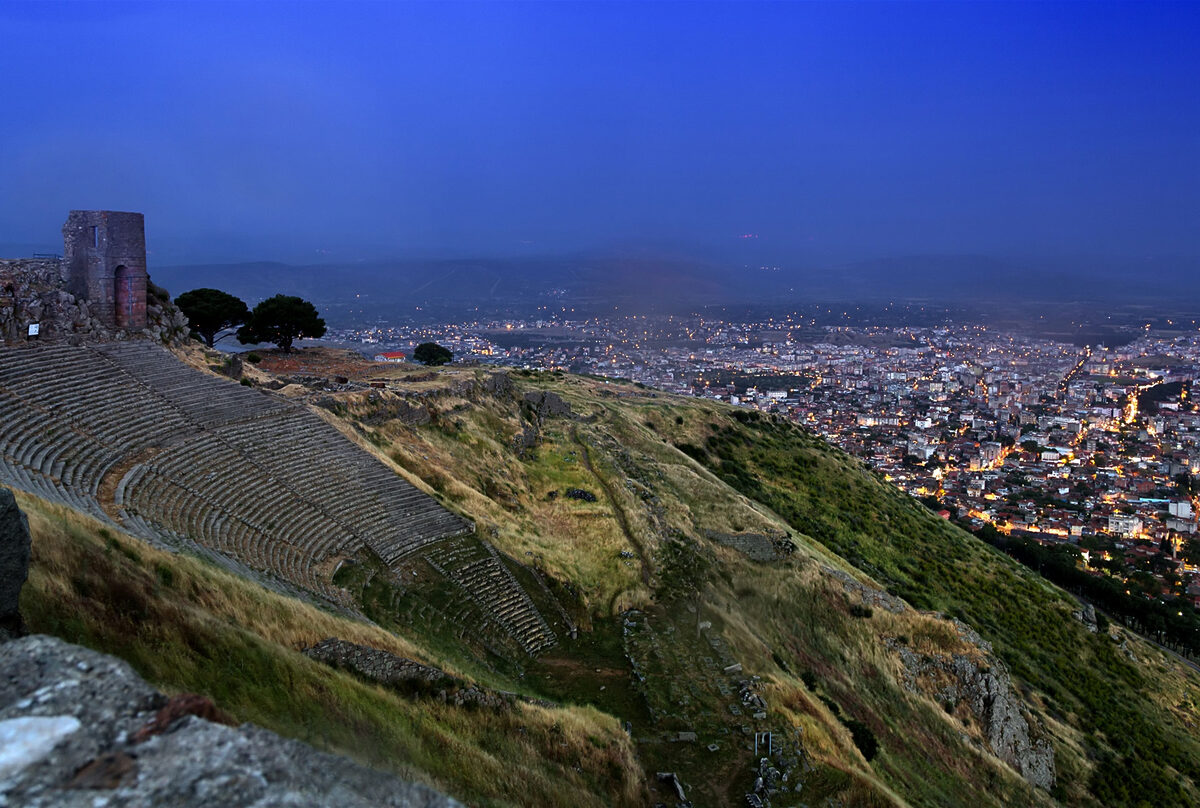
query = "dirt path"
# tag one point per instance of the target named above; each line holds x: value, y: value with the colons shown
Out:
x: 617, y: 510
x: 107, y: 490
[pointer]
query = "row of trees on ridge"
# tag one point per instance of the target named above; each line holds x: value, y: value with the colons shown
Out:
x: 282, y: 319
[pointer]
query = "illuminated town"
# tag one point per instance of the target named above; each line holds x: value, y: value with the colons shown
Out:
x: 1091, y: 448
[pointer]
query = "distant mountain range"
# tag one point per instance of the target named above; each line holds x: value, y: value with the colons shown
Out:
x: 665, y: 282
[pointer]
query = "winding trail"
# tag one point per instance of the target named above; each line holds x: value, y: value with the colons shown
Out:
x: 618, y: 512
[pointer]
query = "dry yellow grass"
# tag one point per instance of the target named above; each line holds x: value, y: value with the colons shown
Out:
x: 187, y: 626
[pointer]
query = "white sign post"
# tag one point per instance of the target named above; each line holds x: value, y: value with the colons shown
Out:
x: 34, y: 330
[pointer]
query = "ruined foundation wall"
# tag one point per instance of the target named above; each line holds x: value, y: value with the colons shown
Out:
x: 34, y: 290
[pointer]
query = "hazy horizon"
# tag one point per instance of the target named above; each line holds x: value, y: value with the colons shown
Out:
x: 805, y: 135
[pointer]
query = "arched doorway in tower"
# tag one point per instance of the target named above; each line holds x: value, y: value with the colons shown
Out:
x: 123, y: 296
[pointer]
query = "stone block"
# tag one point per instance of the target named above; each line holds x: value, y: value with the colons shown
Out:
x: 14, y: 560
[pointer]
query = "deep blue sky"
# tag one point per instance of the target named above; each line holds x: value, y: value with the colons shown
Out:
x: 833, y: 132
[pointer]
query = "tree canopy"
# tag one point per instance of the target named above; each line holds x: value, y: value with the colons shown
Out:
x: 282, y: 319
x: 430, y: 353
x: 211, y: 311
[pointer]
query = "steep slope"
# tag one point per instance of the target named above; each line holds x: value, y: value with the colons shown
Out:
x: 187, y: 626
x: 768, y: 620
x: 991, y: 688
x: 77, y: 723
x: 1124, y: 723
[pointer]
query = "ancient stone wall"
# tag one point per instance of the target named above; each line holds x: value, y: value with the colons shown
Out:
x: 33, y: 291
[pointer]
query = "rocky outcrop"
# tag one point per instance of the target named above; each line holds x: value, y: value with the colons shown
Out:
x: 548, y: 405
x: 525, y: 441
x: 377, y: 408
x: 766, y: 547
x: 371, y: 663
x: 79, y: 728
x: 536, y: 406
x: 404, y: 675
x: 983, y: 685
x: 165, y: 323
x: 1086, y: 614
x: 869, y: 595
x: 14, y: 563
x: 34, y: 291
x: 499, y: 385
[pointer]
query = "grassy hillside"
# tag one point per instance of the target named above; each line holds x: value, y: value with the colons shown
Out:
x: 1120, y: 714
x: 663, y: 468
x: 709, y: 573
x: 1126, y: 723
x: 188, y: 627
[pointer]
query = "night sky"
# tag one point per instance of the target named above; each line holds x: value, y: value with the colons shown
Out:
x: 829, y: 132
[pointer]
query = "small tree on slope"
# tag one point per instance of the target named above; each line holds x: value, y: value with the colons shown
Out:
x: 430, y: 353
x: 211, y: 311
x: 282, y: 319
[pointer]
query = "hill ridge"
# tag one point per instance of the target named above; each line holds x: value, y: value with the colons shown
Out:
x: 782, y: 594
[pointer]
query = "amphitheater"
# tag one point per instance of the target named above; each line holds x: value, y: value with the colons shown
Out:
x: 127, y: 433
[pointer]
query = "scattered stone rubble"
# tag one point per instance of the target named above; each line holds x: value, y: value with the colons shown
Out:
x: 779, y: 772
x: 751, y: 700
x: 403, y: 674
x: 781, y: 761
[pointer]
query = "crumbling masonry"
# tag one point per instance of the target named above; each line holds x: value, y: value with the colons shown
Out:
x: 96, y: 291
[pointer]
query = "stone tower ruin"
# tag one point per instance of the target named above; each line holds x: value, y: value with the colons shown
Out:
x: 104, y: 263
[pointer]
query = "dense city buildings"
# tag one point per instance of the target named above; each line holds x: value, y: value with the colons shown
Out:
x: 1092, y: 448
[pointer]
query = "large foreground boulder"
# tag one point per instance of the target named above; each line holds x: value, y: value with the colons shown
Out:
x: 14, y: 563
x: 79, y: 728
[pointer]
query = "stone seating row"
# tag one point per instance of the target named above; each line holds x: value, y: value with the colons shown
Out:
x: 66, y: 419
x: 357, y: 490
x: 205, y: 399
x: 155, y: 533
x: 449, y: 556
x: 33, y: 482
x: 235, y: 470
x: 64, y: 380
x: 216, y: 473
x: 208, y: 522
x: 339, y: 497
x: 478, y: 570
x: 37, y: 441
